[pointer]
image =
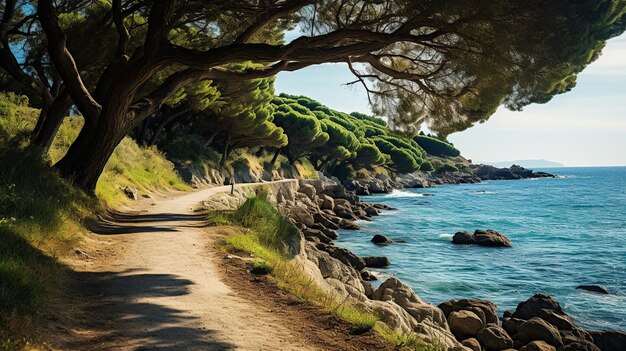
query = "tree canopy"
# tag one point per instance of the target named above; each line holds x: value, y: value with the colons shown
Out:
x: 447, y: 63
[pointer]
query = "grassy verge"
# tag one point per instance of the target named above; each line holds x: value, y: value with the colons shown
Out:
x: 267, y: 241
x: 266, y: 237
x: 41, y: 213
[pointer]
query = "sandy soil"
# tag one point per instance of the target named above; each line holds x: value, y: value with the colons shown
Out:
x: 150, y: 281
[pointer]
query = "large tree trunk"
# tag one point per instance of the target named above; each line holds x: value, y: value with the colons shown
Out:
x: 270, y: 167
x: 85, y: 160
x: 225, y: 151
x: 50, y: 121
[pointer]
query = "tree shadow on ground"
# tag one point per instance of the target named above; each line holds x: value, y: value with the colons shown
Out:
x: 117, y: 319
x: 129, y: 223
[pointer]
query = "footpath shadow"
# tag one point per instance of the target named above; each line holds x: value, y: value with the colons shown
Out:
x: 116, y: 319
x: 128, y: 223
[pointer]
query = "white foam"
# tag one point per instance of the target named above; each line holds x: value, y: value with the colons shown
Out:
x: 445, y: 235
x: 400, y: 193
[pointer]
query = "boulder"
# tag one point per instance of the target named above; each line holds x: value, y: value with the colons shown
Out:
x: 332, y: 234
x: 512, y: 325
x: 349, y: 258
x: 381, y: 239
x: 538, y: 329
x: 609, y: 340
x: 537, y: 345
x: 487, y: 308
x: 593, y: 288
x: 581, y: 345
x: 491, y: 238
x: 481, y: 237
x: 308, y: 190
x: 348, y: 225
x: 464, y: 324
x: 376, y: 261
x: 472, y: 344
x: 463, y: 238
x: 327, y: 202
x: 368, y: 276
x: 301, y: 215
x: 308, y: 233
x: 394, y: 290
x: 533, y: 306
x: 131, y: 193
x: 325, y: 221
x: 494, y: 338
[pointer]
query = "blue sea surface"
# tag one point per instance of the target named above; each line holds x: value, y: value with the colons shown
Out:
x: 566, y: 231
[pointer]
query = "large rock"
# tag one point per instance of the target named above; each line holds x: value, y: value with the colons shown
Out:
x: 325, y: 221
x: 581, y: 345
x: 593, y: 288
x: 381, y: 239
x: 394, y: 290
x: 494, y: 338
x: 538, y: 329
x: 465, y: 324
x: 302, y: 215
x: 482, y: 237
x: 376, y: 261
x: 327, y: 202
x: 537, y: 345
x: 533, y: 306
x: 131, y: 193
x: 491, y: 238
x: 487, y: 308
x: 308, y: 190
x: 472, y: 344
x: 609, y: 340
x: 349, y: 258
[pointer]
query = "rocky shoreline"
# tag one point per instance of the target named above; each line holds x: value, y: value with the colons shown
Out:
x: 475, y: 174
x: 320, y: 207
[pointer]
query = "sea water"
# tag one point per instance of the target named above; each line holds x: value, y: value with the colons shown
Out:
x: 566, y: 231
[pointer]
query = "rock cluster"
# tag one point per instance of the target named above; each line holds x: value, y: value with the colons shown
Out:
x: 475, y: 174
x: 538, y: 324
x: 482, y: 237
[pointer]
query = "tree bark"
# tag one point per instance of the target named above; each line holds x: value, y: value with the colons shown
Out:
x: 49, y: 123
x: 225, y: 151
x: 273, y: 161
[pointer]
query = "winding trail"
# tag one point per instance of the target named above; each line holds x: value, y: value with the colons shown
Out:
x: 157, y: 287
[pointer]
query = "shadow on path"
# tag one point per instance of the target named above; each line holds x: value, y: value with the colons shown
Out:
x: 114, y: 300
x: 129, y: 223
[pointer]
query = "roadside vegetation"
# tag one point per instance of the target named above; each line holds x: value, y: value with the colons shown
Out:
x: 266, y: 235
x: 41, y: 213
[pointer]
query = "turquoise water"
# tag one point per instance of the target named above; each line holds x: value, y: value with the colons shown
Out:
x: 566, y: 232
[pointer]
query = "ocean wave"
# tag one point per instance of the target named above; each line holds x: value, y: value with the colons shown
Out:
x: 484, y: 192
x: 400, y: 193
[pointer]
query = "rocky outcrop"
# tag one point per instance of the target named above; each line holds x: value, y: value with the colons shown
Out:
x: 593, y: 288
x: 475, y: 174
x: 609, y: 340
x: 483, y: 238
x: 381, y: 240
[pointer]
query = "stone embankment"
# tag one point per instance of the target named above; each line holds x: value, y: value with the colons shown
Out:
x: 320, y: 207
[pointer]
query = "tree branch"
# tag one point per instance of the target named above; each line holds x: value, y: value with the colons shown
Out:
x: 64, y: 62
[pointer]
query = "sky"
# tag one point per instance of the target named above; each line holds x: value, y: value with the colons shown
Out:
x: 585, y: 127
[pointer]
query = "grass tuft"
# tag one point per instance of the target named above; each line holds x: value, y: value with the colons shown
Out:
x: 266, y: 238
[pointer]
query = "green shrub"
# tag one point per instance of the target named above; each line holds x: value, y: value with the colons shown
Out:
x: 436, y: 147
x: 446, y: 168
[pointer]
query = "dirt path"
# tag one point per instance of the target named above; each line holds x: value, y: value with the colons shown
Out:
x: 156, y: 286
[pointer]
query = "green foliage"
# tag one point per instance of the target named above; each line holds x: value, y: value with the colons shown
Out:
x: 267, y: 240
x: 446, y: 168
x: 436, y: 147
x: 261, y: 267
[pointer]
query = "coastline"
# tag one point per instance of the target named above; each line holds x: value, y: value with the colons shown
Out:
x: 345, y: 274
